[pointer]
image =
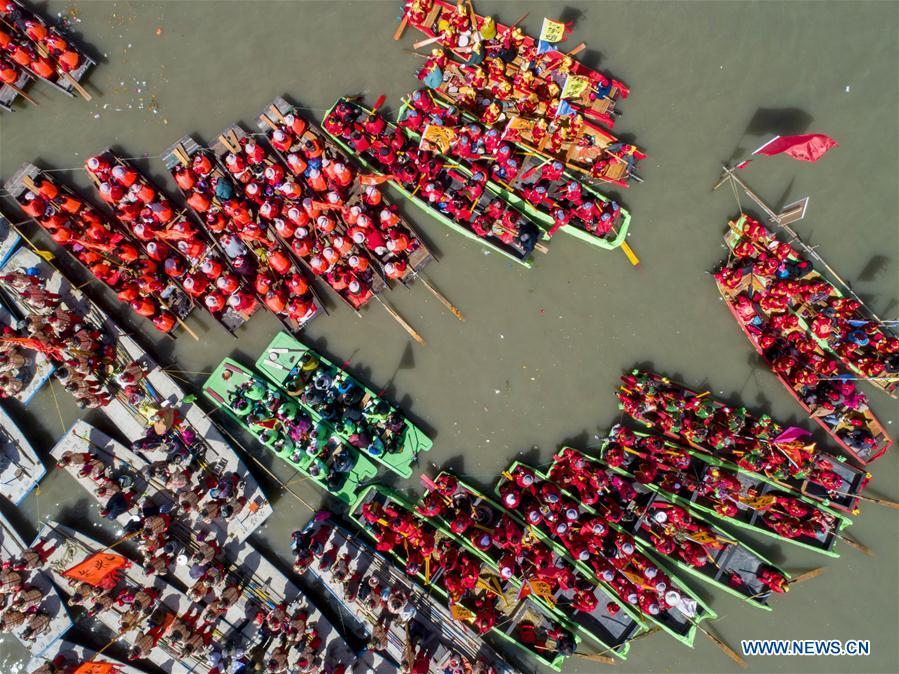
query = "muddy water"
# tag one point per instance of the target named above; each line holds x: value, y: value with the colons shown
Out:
x: 535, y: 362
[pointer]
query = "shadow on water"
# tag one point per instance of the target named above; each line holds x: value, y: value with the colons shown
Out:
x: 873, y: 268
x: 571, y: 14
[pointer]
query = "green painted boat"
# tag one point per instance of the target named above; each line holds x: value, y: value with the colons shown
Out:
x: 493, y: 245
x: 513, y: 613
x: 396, y: 441
x: 754, y: 485
x: 343, y: 482
x: 531, y: 162
x: 725, y: 557
x: 609, y: 632
x: 675, y: 620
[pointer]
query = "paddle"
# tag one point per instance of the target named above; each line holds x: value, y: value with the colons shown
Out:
x: 426, y: 42
x: 45, y: 254
x: 399, y: 319
x: 22, y: 94
x: 730, y: 652
x: 398, y: 33
x: 440, y: 296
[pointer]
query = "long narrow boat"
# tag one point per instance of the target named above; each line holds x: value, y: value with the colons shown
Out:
x: 20, y: 467
x: 696, y: 545
x: 678, y: 610
x: 279, y: 424
x: 518, y: 621
x: 34, y: 368
x: 833, y: 401
x: 741, y: 498
x: 12, y: 546
x: 71, y: 549
x: 102, y: 248
x: 459, y: 30
x: 604, y: 624
x: 10, y: 91
x: 9, y: 236
x: 359, y: 412
x: 352, y: 574
x: 755, y: 445
x: 840, y: 325
x: 252, y: 171
x: 393, y: 244
x: 248, y: 246
x: 185, y: 253
x: 72, y: 657
x: 507, y: 232
x: 543, y: 186
x: 69, y: 63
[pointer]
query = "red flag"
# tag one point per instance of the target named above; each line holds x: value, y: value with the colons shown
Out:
x: 809, y: 147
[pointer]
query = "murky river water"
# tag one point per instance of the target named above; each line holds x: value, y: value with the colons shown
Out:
x: 536, y: 361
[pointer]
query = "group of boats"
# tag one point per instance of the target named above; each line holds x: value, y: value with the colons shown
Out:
x: 31, y: 49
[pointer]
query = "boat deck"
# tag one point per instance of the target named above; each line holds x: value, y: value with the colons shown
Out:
x: 20, y: 467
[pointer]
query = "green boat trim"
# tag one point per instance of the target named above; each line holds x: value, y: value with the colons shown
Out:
x: 386, y: 494
x: 619, y: 646
x: 764, y: 486
x: 497, y: 247
x: 280, y: 362
x: 229, y: 375
x: 542, y: 218
x: 683, y: 630
x: 735, y: 557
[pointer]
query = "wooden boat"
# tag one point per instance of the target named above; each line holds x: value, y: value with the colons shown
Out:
x: 453, y: 182
x: 72, y: 548
x: 38, y: 367
x: 434, y: 18
x: 729, y: 564
x: 415, y: 257
x: 804, y: 478
x: 258, y: 273
x: 29, y: 179
x: 757, y: 494
x: 233, y: 140
x: 514, y: 612
x: 396, y: 441
x: 819, y: 311
x: 20, y: 467
x: 518, y: 187
x: 76, y: 658
x: 173, y: 229
x: 336, y: 467
x: 853, y: 409
x: 609, y: 632
x: 12, y: 546
x: 9, y: 236
x: 679, y: 619
x: 432, y: 625
x: 64, y: 79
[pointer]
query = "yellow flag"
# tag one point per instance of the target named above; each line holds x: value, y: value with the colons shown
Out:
x: 461, y: 613
x: 552, y: 31
x: 440, y: 136
x: 542, y: 589
x: 575, y: 86
x: 759, y: 502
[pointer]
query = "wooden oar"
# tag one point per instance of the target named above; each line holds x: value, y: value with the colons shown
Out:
x: 45, y: 254
x: 864, y: 549
x: 728, y: 651
x: 520, y: 19
x: 426, y: 42
x: 22, y: 94
x: 597, y: 657
x: 398, y: 33
x: 440, y: 296
x: 402, y: 321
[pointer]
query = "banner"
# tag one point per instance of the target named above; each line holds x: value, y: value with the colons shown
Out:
x: 97, y: 668
x: 437, y: 135
x: 461, y: 613
x: 759, y: 502
x: 575, y: 86
x: 97, y: 568
x: 551, y: 33
x: 809, y: 147
x: 542, y: 589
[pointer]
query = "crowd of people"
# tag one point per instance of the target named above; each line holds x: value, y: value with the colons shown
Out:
x: 592, y: 539
x: 471, y: 588
x: 287, y: 428
x: 672, y: 530
x: 84, y: 355
x: 653, y: 461
x: 366, y: 422
x: 179, y: 247
x: 107, y: 252
x: 256, y: 255
x: 22, y: 610
x: 757, y: 444
x: 507, y: 80
x: 487, y: 155
x: 28, y: 44
x: 424, y: 173
x: 793, y: 353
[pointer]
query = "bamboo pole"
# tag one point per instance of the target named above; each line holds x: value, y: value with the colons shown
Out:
x: 398, y: 33
x: 399, y: 319
x: 441, y: 297
x: 21, y: 93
